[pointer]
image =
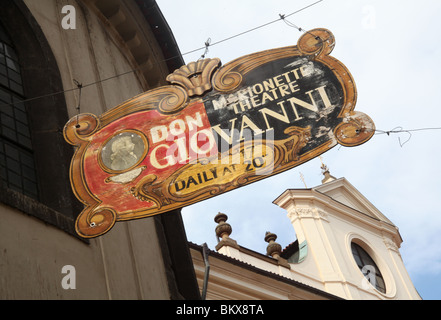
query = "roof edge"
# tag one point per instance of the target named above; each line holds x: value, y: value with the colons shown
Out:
x: 266, y: 273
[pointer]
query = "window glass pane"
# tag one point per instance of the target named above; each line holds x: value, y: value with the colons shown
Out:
x: 14, y: 179
x: 4, y: 81
x: 12, y: 64
x: 14, y: 76
x: 363, y: 259
x: 10, y: 52
x: 3, y: 70
x: 9, y: 133
x: 379, y: 285
x: 5, y: 97
x: 354, y: 249
x: 11, y: 151
x: 16, y: 87
x: 21, y: 116
x: 358, y: 260
x: 7, y: 110
x: 7, y: 121
x: 13, y: 165
x: 17, y: 169
x: 3, y: 175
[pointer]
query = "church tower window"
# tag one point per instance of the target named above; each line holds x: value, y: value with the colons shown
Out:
x: 368, y: 267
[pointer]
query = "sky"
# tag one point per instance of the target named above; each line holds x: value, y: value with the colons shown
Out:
x: 392, y: 50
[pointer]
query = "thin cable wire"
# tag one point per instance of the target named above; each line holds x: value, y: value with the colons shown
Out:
x: 248, y: 31
x: 186, y: 53
x: 68, y: 90
x: 80, y: 87
x: 399, y: 130
x: 268, y: 23
x: 207, y: 45
x: 292, y: 25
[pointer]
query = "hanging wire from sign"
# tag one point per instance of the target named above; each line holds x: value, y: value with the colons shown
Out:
x: 207, y: 45
x: 400, y: 130
x: 165, y: 60
x: 292, y: 25
x: 80, y: 87
x: 252, y: 29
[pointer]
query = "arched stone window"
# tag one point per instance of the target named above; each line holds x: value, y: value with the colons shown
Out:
x: 17, y: 168
x: 34, y: 158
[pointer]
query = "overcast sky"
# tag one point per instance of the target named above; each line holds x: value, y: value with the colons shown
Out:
x: 392, y: 49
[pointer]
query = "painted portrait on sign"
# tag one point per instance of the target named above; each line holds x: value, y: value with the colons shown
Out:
x: 123, y: 151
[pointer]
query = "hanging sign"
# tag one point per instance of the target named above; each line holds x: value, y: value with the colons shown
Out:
x: 213, y: 129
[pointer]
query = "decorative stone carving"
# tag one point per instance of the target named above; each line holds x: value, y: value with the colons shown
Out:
x: 223, y: 231
x: 391, y: 245
x: 274, y: 249
x: 309, y: 212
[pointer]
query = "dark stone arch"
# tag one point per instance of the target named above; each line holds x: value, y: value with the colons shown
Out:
x: 57, y: 204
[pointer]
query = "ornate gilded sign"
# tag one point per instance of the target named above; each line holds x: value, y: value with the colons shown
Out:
x: 213, y: 129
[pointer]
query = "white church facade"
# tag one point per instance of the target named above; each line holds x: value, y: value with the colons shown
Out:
x: 345, y: 249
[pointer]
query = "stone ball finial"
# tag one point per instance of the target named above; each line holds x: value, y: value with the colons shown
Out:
x: 220, y: 217
x: 223, y: 229
x: 273, y: 249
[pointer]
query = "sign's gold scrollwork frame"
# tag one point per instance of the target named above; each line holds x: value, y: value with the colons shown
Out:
x: 141, y: 190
